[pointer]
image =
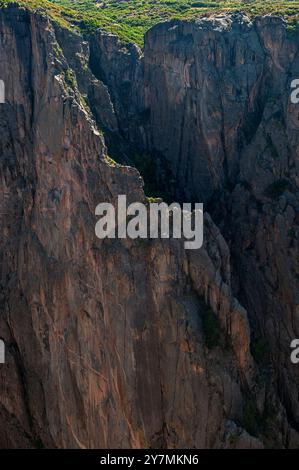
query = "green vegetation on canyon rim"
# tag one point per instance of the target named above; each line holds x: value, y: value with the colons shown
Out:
x: 130, y: 19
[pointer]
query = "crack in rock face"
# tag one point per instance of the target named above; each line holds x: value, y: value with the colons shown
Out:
x: 121, y: 343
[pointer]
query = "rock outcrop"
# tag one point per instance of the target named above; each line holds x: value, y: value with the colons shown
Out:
x: 123, y: 343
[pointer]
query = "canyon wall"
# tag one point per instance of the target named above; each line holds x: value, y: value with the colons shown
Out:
x: 107, y: 343
x: 213, y: 112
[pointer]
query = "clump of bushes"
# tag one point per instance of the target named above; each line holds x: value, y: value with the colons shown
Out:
x: 211, y: 328
x: 251, y: 417
x: 276, y: 189
x: 259, y: 350
x: 70, y: 78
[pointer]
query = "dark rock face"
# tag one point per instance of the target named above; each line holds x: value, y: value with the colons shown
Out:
x: 107, y: 341
x: 215, y: 100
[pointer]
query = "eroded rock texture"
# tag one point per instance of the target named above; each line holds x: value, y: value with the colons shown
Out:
x: 107, y: 342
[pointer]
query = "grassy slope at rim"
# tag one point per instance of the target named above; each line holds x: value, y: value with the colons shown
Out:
x: 130, y: 19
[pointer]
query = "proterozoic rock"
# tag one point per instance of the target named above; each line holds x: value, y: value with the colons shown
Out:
x: 106, y: 341
x: 213, y: 111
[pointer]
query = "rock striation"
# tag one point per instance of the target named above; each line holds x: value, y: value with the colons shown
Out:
x: 128, y: 344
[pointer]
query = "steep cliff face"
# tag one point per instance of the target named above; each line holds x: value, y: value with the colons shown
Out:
x: 107, y: 343
x: 213, y: 110
x: 232, y: 140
